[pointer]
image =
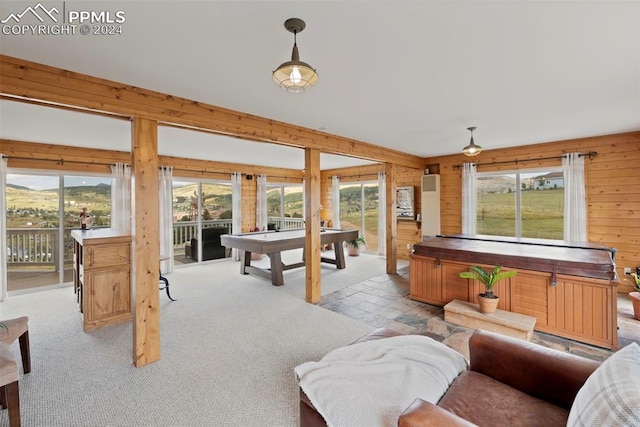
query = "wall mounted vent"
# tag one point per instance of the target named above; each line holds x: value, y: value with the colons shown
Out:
x: 430, y: 205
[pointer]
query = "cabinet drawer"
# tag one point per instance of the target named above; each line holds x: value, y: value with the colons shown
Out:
x: 107, y: 255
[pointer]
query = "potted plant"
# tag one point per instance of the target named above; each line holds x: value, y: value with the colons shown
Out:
x: 487, y: 301
x: 635, y: 295
x: 353, y: 246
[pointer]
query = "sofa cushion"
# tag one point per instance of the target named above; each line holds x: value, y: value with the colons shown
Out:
x: 611, y: 395
x: 484, y: 401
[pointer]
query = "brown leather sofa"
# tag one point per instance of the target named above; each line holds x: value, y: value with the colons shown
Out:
x: 509, y: 382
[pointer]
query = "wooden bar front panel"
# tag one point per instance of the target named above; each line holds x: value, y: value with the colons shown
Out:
x: 530, y: 296
x: 583, y: 308
x: 578, y: 308
x: 454, y: 286
x: 428, y: 284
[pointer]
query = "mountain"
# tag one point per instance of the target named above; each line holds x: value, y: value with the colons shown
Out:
x: 496, y: 184
x: 18, y: 187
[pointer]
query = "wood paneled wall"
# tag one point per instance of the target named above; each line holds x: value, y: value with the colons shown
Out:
x: 249, y: 203
x: 409, y: 231
x: 612, y: 184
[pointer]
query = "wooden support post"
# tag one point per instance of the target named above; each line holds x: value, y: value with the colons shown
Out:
x: 146, y: 237
x: 392, y: 222
x: 312, y: 224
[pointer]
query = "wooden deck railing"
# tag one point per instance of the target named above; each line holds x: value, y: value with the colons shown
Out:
x: 39, y: 246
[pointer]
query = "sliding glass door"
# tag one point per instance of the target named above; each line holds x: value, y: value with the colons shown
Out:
x: 42, y: 209
x: 197, y: 206
x: 359, y: 209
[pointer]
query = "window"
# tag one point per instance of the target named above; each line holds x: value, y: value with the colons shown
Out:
x: 285, y: 206
x: 526, y: 203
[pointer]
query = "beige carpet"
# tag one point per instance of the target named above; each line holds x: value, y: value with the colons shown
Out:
x: 228, y: 349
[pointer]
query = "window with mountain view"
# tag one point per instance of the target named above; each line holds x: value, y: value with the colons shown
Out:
x: 526, y: 203
x: 42, y: 209
x: 198, y: 205
x: 285, y: 206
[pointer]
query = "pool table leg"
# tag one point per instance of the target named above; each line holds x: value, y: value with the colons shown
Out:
x: 339, y: 251
x: 276, y: 269
x: 245, y: 261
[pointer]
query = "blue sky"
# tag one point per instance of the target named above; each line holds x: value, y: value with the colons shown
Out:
x: 46, y: 182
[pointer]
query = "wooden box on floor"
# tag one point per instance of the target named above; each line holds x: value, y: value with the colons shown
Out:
x: 102, y: 276
x: 501, y: 322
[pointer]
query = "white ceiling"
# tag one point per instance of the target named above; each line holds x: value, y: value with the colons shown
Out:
x: 408, y: 75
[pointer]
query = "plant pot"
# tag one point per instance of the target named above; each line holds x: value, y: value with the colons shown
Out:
x: 635, y: 300
x: 353, y: 250
x: 487, y: 305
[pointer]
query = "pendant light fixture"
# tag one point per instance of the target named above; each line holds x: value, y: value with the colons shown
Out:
x: 295, y: 76
x: 472, y: 149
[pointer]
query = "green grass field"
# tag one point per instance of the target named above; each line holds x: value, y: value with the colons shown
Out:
x: 542, y: 214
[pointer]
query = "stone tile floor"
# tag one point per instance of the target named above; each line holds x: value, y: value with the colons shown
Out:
x: 383, y: 301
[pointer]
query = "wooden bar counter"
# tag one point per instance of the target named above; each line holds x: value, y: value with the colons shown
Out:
x: 102, y: 276
x: 571, y: 289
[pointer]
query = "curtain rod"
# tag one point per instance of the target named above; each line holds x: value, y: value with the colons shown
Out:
x: 61, y: 161
x: 362, y: 175
x: 590, y: 154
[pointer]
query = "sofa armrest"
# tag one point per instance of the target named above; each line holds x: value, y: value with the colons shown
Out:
x: 422, y: 413
x: 545, y: 373
x: 309, y: 416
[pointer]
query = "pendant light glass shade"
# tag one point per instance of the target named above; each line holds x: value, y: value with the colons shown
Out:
x: 472, y: 149
x: 295, y: 76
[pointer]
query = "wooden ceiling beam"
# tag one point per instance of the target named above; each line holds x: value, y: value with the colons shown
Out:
x: 28, y: 80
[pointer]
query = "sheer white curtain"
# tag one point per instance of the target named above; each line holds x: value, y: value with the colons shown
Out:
x: 382, y: 214
x: 121, y: 197
x: 261, y: 202
x: 469, y: 198
x: 236, y: 208
x: 3, y: 227
x: 575, y: 205
x: 165, y: 200
x: 335, y: 201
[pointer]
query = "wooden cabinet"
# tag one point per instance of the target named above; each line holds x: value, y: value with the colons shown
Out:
x: 102, y: 276
x: 573, y: 306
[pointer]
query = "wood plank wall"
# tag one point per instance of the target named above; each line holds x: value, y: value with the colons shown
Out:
x: 612, y: 184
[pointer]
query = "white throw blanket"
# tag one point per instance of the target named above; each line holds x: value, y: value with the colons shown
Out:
x: 369, y: 384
